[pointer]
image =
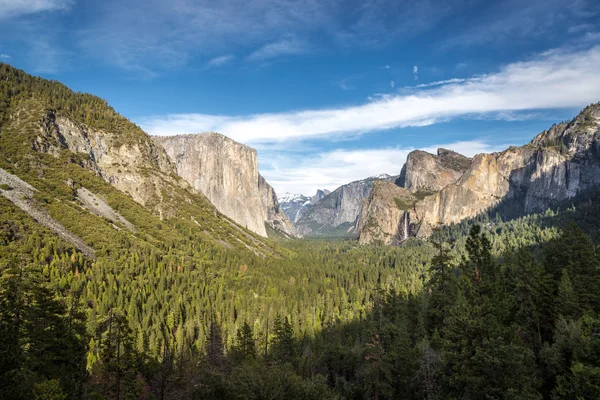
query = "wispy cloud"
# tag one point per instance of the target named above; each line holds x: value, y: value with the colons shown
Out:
x: 515, y: 19
x: 344, y: 84
x: 555, y: 79
x: 444, y: 82
x: 329, y: 170
x: 285, y: 47
x: 219, y: 61
x: 164, y: 35
x: 15, y: 8
x: 416, y: 72
x: 4, y: 57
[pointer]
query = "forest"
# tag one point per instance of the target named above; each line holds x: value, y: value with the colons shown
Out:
x: 491, y: 308
x: 508, y: 310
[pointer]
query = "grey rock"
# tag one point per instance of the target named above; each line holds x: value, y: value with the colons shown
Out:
x: 556, y: 165
x: 226, y: 172
x: 337, y: 213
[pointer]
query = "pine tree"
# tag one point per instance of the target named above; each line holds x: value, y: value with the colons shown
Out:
x: 245, y: 345
x: 283, y: 345
x: 117, y: 357
x: 215, y: 351
x: 566, y: 302
x: 439, y: 286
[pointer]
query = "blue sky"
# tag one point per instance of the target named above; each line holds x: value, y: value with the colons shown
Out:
x: 327, y: 91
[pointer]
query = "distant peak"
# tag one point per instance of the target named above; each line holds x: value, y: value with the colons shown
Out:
x: 382, y: 176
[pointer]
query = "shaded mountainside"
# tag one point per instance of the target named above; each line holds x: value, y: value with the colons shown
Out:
x: 337, y: 213
x: 226, y: 172
x: 66, y: 145
x: 556, y: 165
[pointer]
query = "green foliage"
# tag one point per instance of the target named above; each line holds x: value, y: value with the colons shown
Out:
x: 48, y: 390
x: 404, y: 204
x: 493, y: 307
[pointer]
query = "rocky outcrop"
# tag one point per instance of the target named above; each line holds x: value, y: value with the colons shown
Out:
x: 484, y: 184
x: 226, y: 172
x: 430, y: 173
x: 136, y: 167
x: 386, y: 215
x: 275, y: 216
x: 58, y: 144
x: 337, y: 213
x: 320, y: 195
x: 96, y: 205
x: 556, y: 165
x: 389, y: 215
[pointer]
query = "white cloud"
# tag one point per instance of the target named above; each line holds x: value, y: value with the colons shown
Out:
x: 219, y: 61
x: 556, y: 79
x: 416, y: 72
x: 4, y: 57
x: 444, y: 82
x: 285, y: 47
x: 14, y: 8
x: 329, y: 170
x: 392, y: 84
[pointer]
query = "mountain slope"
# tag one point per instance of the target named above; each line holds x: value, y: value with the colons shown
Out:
x: 60, y: 142
x: 556, y: 165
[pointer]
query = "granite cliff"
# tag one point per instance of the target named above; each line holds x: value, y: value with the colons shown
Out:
x: 556, y: 165
x: 296, y: 205
x: 226, y: 172
x: 427, y: 172
x: 385, y: 214
x: 127, y: 159
x: 337, y: 213
x: 80, y: 169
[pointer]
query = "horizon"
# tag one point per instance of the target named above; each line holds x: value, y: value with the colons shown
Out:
x: 326, y: 94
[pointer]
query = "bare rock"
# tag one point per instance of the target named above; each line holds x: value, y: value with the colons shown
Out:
x: 226, y: 172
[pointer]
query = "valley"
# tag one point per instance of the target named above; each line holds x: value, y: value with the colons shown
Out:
x: 138, y: 266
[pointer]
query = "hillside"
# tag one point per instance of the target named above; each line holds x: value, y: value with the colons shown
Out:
x: 59, y: 142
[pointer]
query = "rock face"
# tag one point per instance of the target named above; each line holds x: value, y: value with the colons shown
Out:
x: 337, y: 213
x: 137, y: 167
x: 275, y: 216
x: 430, y: 173
x: 556, y: 165
x: 320, y: 195
x: 385, y: 216
x: 296, y: 205
x: 226, y: 172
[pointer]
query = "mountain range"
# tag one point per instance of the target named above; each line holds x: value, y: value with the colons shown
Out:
x: 214, y: 184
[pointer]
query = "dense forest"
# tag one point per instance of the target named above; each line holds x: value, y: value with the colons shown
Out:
x: 508, y: 311
x: 491, y: 308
